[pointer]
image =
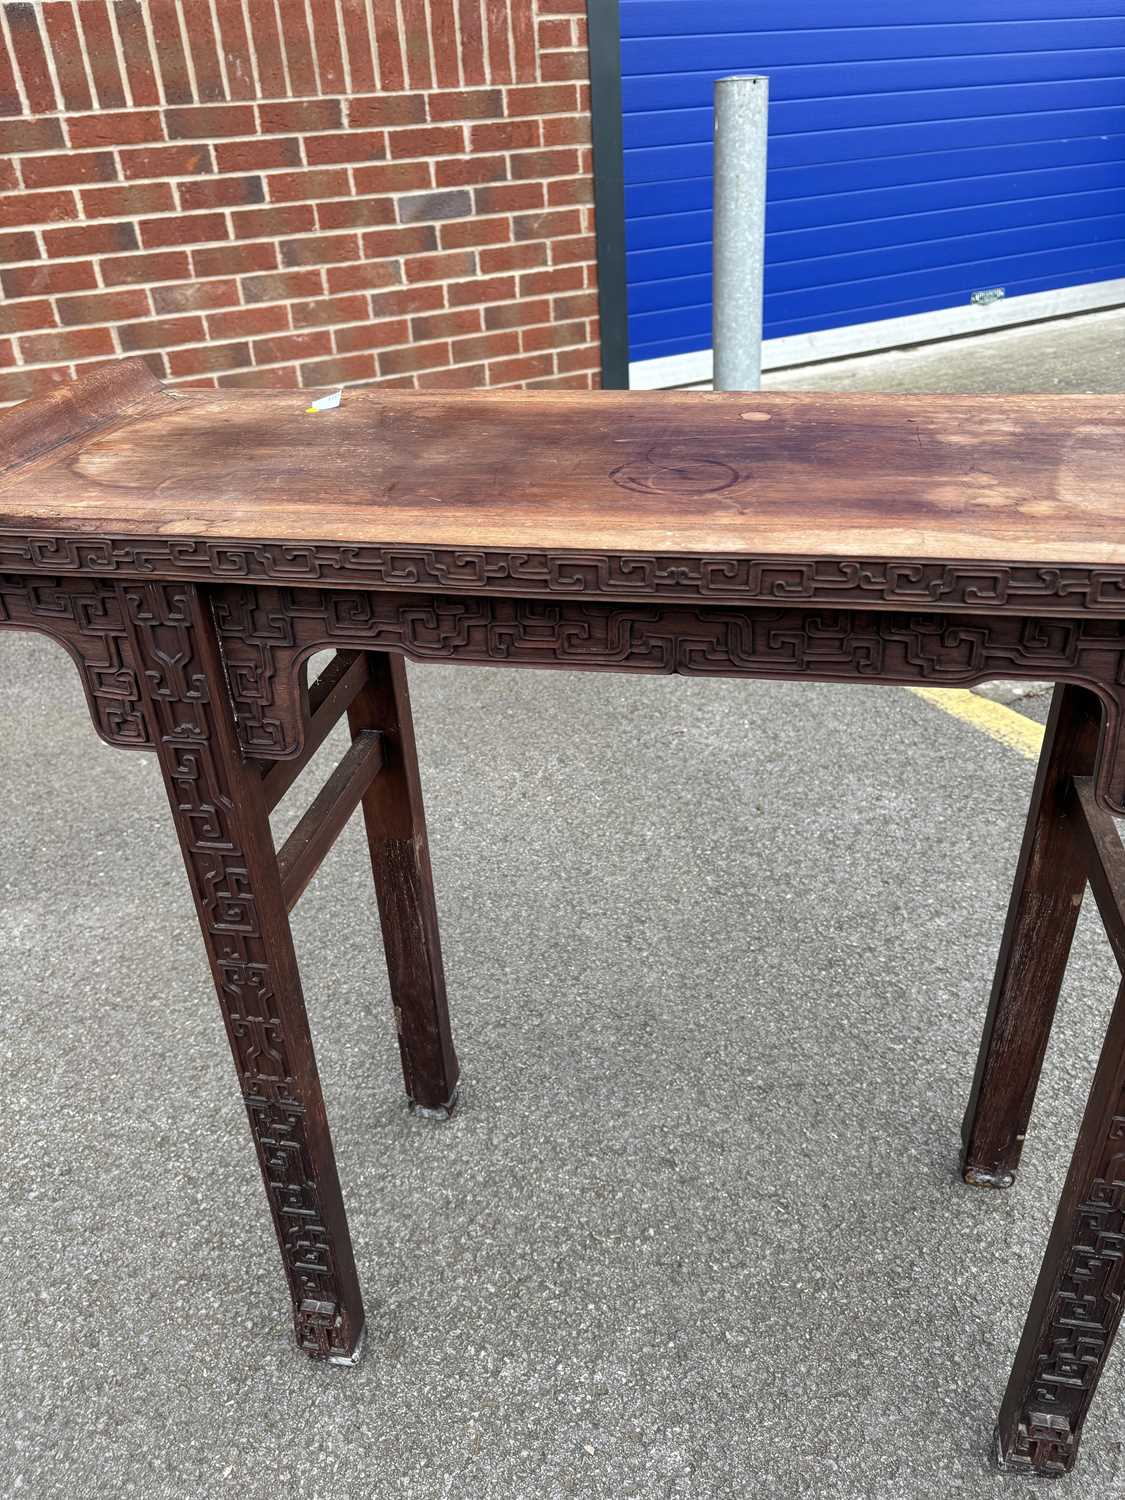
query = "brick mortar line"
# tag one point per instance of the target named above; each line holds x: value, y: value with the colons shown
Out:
x: 39, y: 225
x: 280, y: 333
x: 400, y: 41
x: 79, y: 365
x: 308, y: 359
x: 29, y: 116
x: 251, y: 47
x: 508, y: 33
x: 345, y: 53
x: 182, y: 34
x: 428, y: 22
x: 373, y: 37
x: 585, y: 343
x: 52, y: 63
x: 311, y: 31
x: 458, y: 48
x: 278, y: 236
x: 324, y: 265
x: 283, y: 47
x: 127, y: 182
x: 117, y: 42
x: 164, y: 215
x: 113, y: 325
x: 73, y: 368
x: 301, y: 134
x: 116, y: 325
x: 442, y: 281
x: 268, y: 172
x: 220, y: 44
x: 158, y: 76
x: 43, y: 225
x: 288, y: 302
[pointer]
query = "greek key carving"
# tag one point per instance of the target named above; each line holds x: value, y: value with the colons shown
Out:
x: 1085, y: 1315
x: 258, y: 989
x: 266, y: 633
x: 84, y: 616
x: 1070, y: 589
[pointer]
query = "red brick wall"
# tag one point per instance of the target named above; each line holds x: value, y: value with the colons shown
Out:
x: 297, y: 192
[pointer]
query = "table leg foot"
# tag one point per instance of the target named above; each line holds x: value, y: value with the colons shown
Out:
x: 436, y: 1111
x: 325, y: 1332
x: 975, y: 1177
x: 1042, y: 1448
x: 348, y: 1360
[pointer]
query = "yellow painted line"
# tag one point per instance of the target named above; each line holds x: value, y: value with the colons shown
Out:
x: 995, y: 719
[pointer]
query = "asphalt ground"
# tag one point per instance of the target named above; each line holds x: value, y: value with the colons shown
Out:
x: 718, y: 954
x: 1084, y: 353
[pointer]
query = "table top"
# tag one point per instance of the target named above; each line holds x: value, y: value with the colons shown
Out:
x: 1004, y: 478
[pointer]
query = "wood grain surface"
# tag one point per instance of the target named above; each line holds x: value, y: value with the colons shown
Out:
x: 1003, y: 478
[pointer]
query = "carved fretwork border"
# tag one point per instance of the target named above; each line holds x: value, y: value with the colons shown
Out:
x: 1083, y: 1319
x: 85, y: 615
x: 266, y: 633
x: 875, y: 583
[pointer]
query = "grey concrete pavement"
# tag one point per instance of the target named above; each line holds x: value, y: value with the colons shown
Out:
x: 718, y: 955
x: 1083, y: 353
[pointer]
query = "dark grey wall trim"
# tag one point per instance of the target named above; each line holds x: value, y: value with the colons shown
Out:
x: 609, y: 188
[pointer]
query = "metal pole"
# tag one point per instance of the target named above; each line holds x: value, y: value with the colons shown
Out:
x: 741, y: 110
x: 604, y: 53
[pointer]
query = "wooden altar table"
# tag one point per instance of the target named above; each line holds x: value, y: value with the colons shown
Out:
x: 192, y: 549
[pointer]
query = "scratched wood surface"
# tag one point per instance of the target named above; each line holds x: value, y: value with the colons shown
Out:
x: 1005, y: 478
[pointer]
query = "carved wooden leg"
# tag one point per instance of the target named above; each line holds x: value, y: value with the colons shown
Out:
x: 1050, y: 880
x: 224, y: 833
x: 1078, y: 1298
x: 404, y: 887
